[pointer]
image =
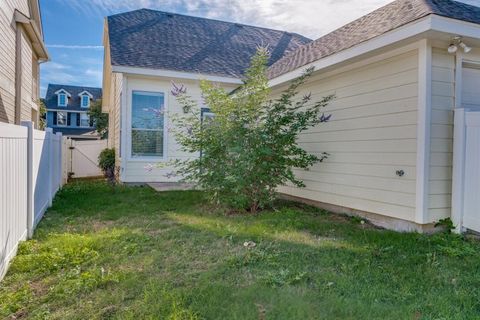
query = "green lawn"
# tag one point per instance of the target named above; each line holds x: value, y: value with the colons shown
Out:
x: 139, y: 254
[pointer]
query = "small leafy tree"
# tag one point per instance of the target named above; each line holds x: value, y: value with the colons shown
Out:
x: 42, y: 117
x: 249, y: 147
x: 99, y: 118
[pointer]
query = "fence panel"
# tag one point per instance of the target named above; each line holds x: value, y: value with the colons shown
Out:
x: 13, y: 190
x: 31, y: 172
x: 41, y: 174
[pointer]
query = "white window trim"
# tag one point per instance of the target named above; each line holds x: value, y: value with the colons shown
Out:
x: 206, y: 114
x: 62, y: 92
x: 80, y: 115
x: 129, y: 126
x: 66, y: 119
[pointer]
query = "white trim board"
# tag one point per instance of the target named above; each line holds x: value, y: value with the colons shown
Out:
x: 174, y: 74
x: 415, y: 28
x: 423, y: 131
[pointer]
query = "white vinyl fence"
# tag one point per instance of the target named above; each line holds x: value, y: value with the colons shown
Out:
x: 31, y: 172
x: 466, y: 170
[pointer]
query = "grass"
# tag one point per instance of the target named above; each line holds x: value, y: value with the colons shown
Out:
x: 138, y: 254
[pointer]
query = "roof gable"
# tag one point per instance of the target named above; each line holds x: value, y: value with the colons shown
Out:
x: 160, y: 40
x: 63, y: 91
x: 376, y: 23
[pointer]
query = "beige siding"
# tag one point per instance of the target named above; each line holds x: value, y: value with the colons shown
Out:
x: 443, y: 94
x: 371, y: 135
x: 117, y: 96
x: 8, y: 62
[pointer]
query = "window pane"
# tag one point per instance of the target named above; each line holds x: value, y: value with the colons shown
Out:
x: 62, y: 99
x: 85, y: 100
x: 147, y: 124
x: 84, y: 120
x: 61, y: 118
x: 147, y: 143
x: 147, y: 110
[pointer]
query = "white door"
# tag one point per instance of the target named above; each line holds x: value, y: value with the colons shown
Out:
x: 84, y: 158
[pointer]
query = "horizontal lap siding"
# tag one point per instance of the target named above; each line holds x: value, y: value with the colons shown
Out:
x: 440, y: 179
x: 7, y: 62
x: 371, y: 135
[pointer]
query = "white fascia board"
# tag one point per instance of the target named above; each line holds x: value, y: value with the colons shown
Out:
x: 63, y: 91
x: 67, y: 110
x: 455, y: 27
x: 85, y: 92
x: 174, y: 74
x: 391, y: 37
x: 430, y: 22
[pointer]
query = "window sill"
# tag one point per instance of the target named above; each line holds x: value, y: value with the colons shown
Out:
x: 147, y: 159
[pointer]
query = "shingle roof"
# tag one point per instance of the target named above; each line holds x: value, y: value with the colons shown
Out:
x: 51, y: 101
x: 160, y: 40
x: 387, y: 18
x: 76, y: 132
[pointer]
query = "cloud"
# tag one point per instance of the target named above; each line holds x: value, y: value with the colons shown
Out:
x: 312, y: 18
x: 80, y: 73
x: 65, y: 46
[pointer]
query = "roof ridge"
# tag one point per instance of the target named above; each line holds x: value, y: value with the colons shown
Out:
x: 72, y: 85
x: 209, y: 19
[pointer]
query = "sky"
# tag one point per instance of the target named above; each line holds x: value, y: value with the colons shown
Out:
x: 73, y: 29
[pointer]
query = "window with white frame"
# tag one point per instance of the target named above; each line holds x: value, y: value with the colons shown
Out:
x: 147, y: 124
x: 85, y: 99
x: 62, y: 99
x: 84, y: 120
x: 61, y: 118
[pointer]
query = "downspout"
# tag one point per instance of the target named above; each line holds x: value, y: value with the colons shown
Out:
x: 18, y: 73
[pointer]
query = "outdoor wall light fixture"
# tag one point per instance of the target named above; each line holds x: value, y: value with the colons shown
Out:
x: 458, y: 42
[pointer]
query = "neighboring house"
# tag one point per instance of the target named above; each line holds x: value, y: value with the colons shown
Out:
x: 22, y: 49
x: 398, y: 74
x: 67, y: 110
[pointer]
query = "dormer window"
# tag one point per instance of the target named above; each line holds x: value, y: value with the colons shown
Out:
x: 85, y: 98
x: 62, y: 97
x: 85, y: 101
x: 62, y: 100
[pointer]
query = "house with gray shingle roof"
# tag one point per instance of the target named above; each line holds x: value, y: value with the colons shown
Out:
x: 67, y: 110
x: 399, y: 74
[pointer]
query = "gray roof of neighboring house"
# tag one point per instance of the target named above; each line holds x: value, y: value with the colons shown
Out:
x: 51, y: 101
x: 160, y: 40
x: 387, y: 18
x: 85, y: 132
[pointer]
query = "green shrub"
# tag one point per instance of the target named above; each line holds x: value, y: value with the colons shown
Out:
x: 106, y: 161
x: 249, y: 147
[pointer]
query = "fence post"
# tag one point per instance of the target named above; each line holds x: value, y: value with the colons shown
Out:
x: 60, y: 168
x: 49, y: 139
x: 30, y: 187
